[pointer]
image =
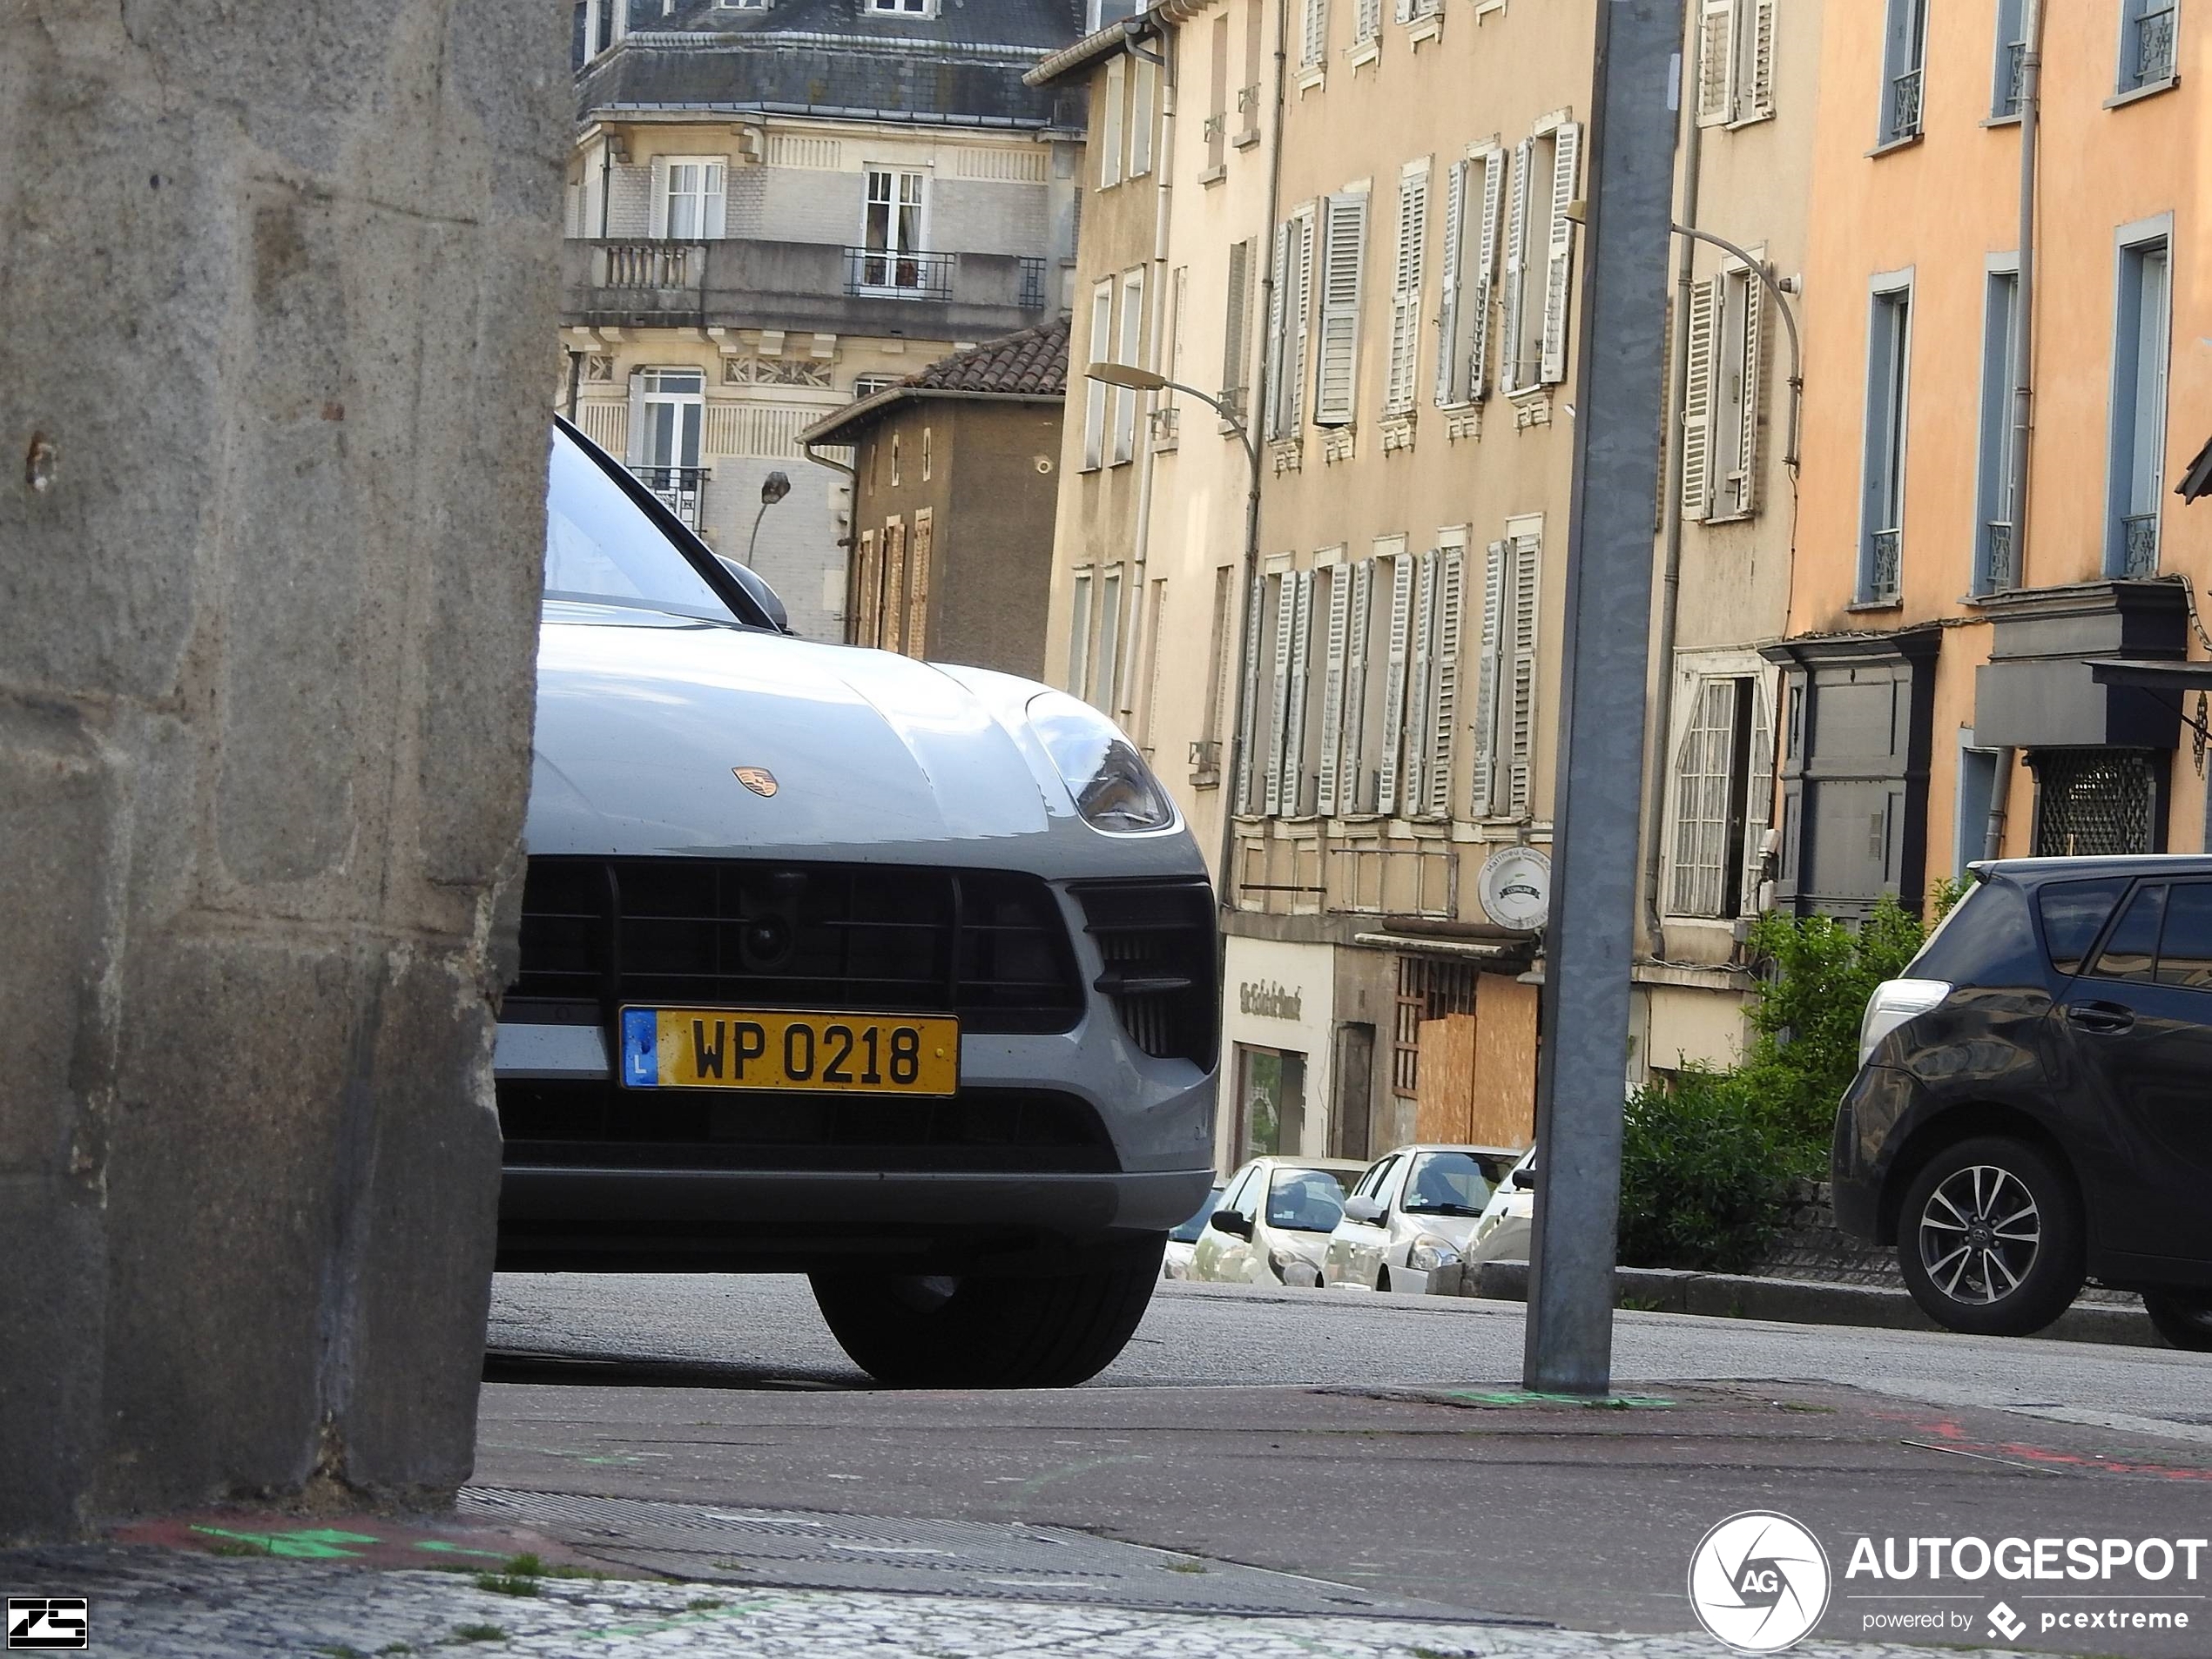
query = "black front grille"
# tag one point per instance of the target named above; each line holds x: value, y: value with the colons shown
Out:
x: 1157, y: 942
x: 596, y: 1124
x: 988, y: 946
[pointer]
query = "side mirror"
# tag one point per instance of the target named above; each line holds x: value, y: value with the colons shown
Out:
x: 1228, y: 1221
x: 1363, y: 1209
x: 758, y: 590
x: 1525, y: 1178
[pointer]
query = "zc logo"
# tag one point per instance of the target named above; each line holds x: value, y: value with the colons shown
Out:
x: 1759, y: 1582
x: 48, y: 1622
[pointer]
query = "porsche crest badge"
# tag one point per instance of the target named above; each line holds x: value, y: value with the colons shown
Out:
x: 759, y: 780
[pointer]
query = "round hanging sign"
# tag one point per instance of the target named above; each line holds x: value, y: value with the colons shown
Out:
x: 1515, y: 887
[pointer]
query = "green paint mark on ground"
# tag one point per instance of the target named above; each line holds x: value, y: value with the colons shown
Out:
x: 320, y: 1544
x: 442, y: 1548
x: 1528, y: 1397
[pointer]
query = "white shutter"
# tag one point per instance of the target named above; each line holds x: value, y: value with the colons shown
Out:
x: 716, y: 214
x: 657, y: 200
x: 1516, y: 267
x: 1344, y: 242
x: 1368, y: 23
x: 1351, y: 783
x: 1301, y: 676
x: 1520, y: 714
x: 1406, y: 11
x: 1715, y: 62
x: 1316, y: 44
x: 1444, y: 707
x: 1449, y: 360
x: 1285, y: 609
x: 1486, y: 269
x: 1300, y: 319
x: 1393, y: 732
x: 1744, y: 497
x: 1762, y: 20
x: 1559, y: 271
x: 1483, y: 796
x: 1331, y: 765
x: 1421, y: 685
x: 1759, y: 793
x: 1406, y: 291
x: 636, y: 433
x: 1697, y: 401
x: 1248, y: 727
x: 1278, y: 341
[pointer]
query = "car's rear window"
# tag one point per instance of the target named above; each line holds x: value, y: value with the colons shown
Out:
x: 1985, y: 937
x: 2132, y: 952
x: 2074, y: 913
x: 2185, y: 955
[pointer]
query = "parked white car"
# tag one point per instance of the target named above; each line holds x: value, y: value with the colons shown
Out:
x: 1502, y: 1233
x: 1408, y: 1222
x: 1176, y: 1264
x: 1274, y: 1222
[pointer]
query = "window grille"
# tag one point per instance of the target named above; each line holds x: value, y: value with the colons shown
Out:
x: 1428, y: 988
x: 2094, y: 802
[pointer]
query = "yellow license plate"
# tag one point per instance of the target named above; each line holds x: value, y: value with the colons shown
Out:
x: 845, y: 1054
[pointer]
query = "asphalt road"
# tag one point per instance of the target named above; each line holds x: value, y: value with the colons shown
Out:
x: 764, y: 1331
x: 1374, y: 1441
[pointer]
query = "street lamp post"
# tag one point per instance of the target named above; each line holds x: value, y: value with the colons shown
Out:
x: 1131, y: 378
x: 773, y: 489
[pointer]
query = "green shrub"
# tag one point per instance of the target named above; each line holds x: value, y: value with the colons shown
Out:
x: 1703, y: 1177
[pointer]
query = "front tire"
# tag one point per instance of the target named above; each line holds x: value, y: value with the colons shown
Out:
x: 987, y: 1330
x: 1990, y: 1238
x: 2183, y: 1317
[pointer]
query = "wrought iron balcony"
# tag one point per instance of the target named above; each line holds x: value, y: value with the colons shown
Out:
x: 2138, y: 544
x: 919, y: 276
x: 2000, y: 569
x: 1905, y: 105
x: 2153, y: 46
x: 1883, y: 568
x: 678, y: 487
x: 2010, y: 78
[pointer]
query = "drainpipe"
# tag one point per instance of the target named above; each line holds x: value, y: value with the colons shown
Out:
x: 1133, y: 600
x: 2023, y: 365
x: 848, y: 541
x: 1663, y: 656
x: 1226, y: 888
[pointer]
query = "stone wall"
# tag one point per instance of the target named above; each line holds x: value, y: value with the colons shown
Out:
x: 281, y: 284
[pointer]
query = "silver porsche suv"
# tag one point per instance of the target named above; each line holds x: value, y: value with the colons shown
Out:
x: 896, y: 973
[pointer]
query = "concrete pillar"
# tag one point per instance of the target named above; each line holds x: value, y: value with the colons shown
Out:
x: 279, y: 315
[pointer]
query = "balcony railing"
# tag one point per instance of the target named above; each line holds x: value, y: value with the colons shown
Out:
x: 919, y: 276
x: 1904, y: 106
x: 1032, y: 283
x: 2000, y: 569
x: 2138, y: 544
x: 1883, y: 568
x: 2011, y: 76
x: 2155, y: 47
x: 678, y: 487
x: 1248, y: 107
x: 650, y: 266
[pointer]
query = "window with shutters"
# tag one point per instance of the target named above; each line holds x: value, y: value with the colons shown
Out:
x: 1330, y: 687
x: 1503, y: 721
x: 2138, y: 409
x: 691, y: 198
x: 1905, y: 48
x: 1366, y: 653
x: 1540, y: 259
x: 1111, y: 97
x: 1288, y: 323
x: 1366, y: 30
x: 1344, y: 245
x: 1101, y: 351
x: 1205, y: 750
x: 871, y: 594
x: 1142, y: 94
x: 1389, y: 711
x: 1735, y: 61
x: 1130, y: 351
x: 894, y: 584
x: 1889, y: 355
x: 1308, y: 739
x: 1712, y: 787
x: 1436, y: 737
x: 1474, y: 208
x: 1237, y: 331
x: 1079, y: 622
x: 918, y: 560
x: 1217, y: 130
x: 1106, y: 661
x: 1722, y: 396
x: 1257, y: 724
x: 1402, y: 373
x: 1282, y: 644
x: 1313, y: 34
x: 891, y: 232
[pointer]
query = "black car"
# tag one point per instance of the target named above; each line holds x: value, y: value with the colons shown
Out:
x: 2034, y: 1103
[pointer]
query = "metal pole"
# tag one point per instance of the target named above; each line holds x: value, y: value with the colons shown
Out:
x: 1583, y: 1060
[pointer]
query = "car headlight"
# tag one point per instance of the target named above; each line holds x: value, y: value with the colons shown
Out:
x: 1430, y: 1252
x: 1293, y: 1269
x: 1113, y: 790
x: 1894, y: 1002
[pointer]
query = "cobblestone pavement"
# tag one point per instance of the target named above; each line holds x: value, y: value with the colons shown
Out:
x: 163, y: 1606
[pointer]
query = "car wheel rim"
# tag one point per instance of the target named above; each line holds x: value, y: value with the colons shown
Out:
x: 1980, y: 1232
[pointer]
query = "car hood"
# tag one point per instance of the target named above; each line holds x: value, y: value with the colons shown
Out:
x: 1457, y: 1229
x: 645, y: 719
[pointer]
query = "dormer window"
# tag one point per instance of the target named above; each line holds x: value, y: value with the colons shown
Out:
x: 741, y: 5
x: 900, y: 8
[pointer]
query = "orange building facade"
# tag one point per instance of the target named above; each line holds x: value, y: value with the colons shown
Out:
x: 1941, y: 693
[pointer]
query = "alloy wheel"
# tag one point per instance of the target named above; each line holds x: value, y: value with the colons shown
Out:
x: 1980, y: 1231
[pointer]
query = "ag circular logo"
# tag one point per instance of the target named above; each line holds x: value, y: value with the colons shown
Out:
x: 1759, y: 1582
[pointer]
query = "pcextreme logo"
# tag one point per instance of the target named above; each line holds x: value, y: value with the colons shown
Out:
x: 1759, y: 1582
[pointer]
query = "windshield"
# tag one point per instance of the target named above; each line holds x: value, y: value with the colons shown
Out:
x: 1189, y: 1233
x: 1307, y: 1201
x: 1452, y: 1183
x: 602, y: 547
